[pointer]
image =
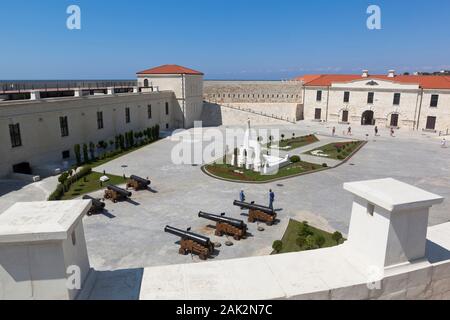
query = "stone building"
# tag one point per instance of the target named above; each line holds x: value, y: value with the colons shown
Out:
x: 42, y: 131
x: 398, y: 101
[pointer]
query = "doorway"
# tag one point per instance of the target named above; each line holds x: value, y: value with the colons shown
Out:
x: 368, y: 118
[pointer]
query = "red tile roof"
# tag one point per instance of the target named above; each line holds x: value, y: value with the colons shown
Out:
x: 171, y: 69
x: 426, y: 82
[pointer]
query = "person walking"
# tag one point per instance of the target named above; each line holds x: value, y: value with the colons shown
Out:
x: 349, y: 131
x: 334, y: 131
x: 392, y: 132
x: 376, y: 131
x: 271, y: 199
x: 444, y: 143
x: 242, y: 196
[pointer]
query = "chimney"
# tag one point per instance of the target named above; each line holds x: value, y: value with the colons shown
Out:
x: 365, y: 73
x: 35, y: 95
x: 391, y: 74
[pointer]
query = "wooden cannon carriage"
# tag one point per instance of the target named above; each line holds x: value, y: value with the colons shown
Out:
x: 115, y: 194
x: 138, y: 183
x: 192, y: 243
x: 258, y: 212
x: 225, y: 225
x: 97, y: 205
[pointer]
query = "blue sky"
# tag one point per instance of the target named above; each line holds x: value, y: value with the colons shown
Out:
x: 226, y: 39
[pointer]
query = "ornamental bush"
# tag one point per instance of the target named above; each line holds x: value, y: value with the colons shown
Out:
x: 277, y: 246
x: 295, y: 159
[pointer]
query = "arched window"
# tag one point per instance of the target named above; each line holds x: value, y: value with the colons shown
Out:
x: 146, y: 83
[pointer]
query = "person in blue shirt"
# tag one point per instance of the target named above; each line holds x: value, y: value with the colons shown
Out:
x: 242, y: 196
x: 271, y: 199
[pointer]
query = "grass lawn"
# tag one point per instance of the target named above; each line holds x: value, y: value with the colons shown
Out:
x: 337, y: 151
x: 228, y: 172
x: 90, y: 184
x: 292, y: 234
x: 297, y: 142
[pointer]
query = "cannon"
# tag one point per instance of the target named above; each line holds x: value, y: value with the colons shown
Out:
x: 97, y: 205
x: 258, y: 212
x: 192, y: 243
x: 225, y: 225
x: 115, y: 194
x: 138, y: 183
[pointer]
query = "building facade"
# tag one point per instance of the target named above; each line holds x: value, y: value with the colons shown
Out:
x: 412, y: 102
x: 185, y: 83
x: 43, y: 131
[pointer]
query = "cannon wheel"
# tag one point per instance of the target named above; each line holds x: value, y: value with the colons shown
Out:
x: 270, y: 223
x: 219, y: 234
x: 251, y: 220
x: 203, y: 257
x: 237, y: 238
x: 182, y: 251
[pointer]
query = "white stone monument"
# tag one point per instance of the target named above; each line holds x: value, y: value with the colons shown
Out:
x: 40, y: 242
x: 388, y: 228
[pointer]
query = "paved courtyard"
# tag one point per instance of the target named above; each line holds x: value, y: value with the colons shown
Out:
x: 131, y: 234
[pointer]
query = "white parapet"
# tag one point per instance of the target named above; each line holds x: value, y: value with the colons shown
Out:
x: 394, y: 232
x: 389, y: 222
x: 42, y: 245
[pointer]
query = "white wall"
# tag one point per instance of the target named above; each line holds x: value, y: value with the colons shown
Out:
x: 42, y: 143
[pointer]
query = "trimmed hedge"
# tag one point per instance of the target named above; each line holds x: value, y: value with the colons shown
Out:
x: 59, y: 192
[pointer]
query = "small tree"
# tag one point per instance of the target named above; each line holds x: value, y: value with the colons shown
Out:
x: 122, y: 142
x: 85, y: 153
x: 337, y: 236
x: 293, y: 135
x: 301, y: 241
x: 157, y: 128
x: 277, y: 246
x: 305, y: 229
x: 77, y: 150
x: 63, y: 179
x: 282, y: 137
x: 92, y: 150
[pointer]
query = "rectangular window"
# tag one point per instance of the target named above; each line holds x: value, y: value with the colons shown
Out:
x: 167, y: 108
x: 370, y: 97
x: 66, y: 154
x: 64, y: 126
x: 99, y: 120
x: 319, y: 96
x: 127, y: 115
x: 346, y: 97
x: 397, y: 99
x: 14, y: 132
x: 431, y: 123
x: 149, y: 111
x: 318, y: 114
x: 434, y: 100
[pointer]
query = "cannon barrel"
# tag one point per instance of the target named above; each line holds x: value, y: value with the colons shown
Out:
x: 213, y: 217
x: 120, y: 191
x: 188, y: 235
x: 142, y: 181
x: 254, y: 207
x: 95, y: 202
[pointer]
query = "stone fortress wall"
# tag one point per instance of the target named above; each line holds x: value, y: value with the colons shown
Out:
x: 273, y: 99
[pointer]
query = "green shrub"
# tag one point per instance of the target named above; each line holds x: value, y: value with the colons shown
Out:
x: 277, y: 246
x: 337, y: 236
x: 341, y: 157
x: 295, y: 159
x: 324, y: 165
x: 301, y: 241
x: 77, y: 150
x: 305, y: 230
x: 320, y: 240
x: 311, y: 243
